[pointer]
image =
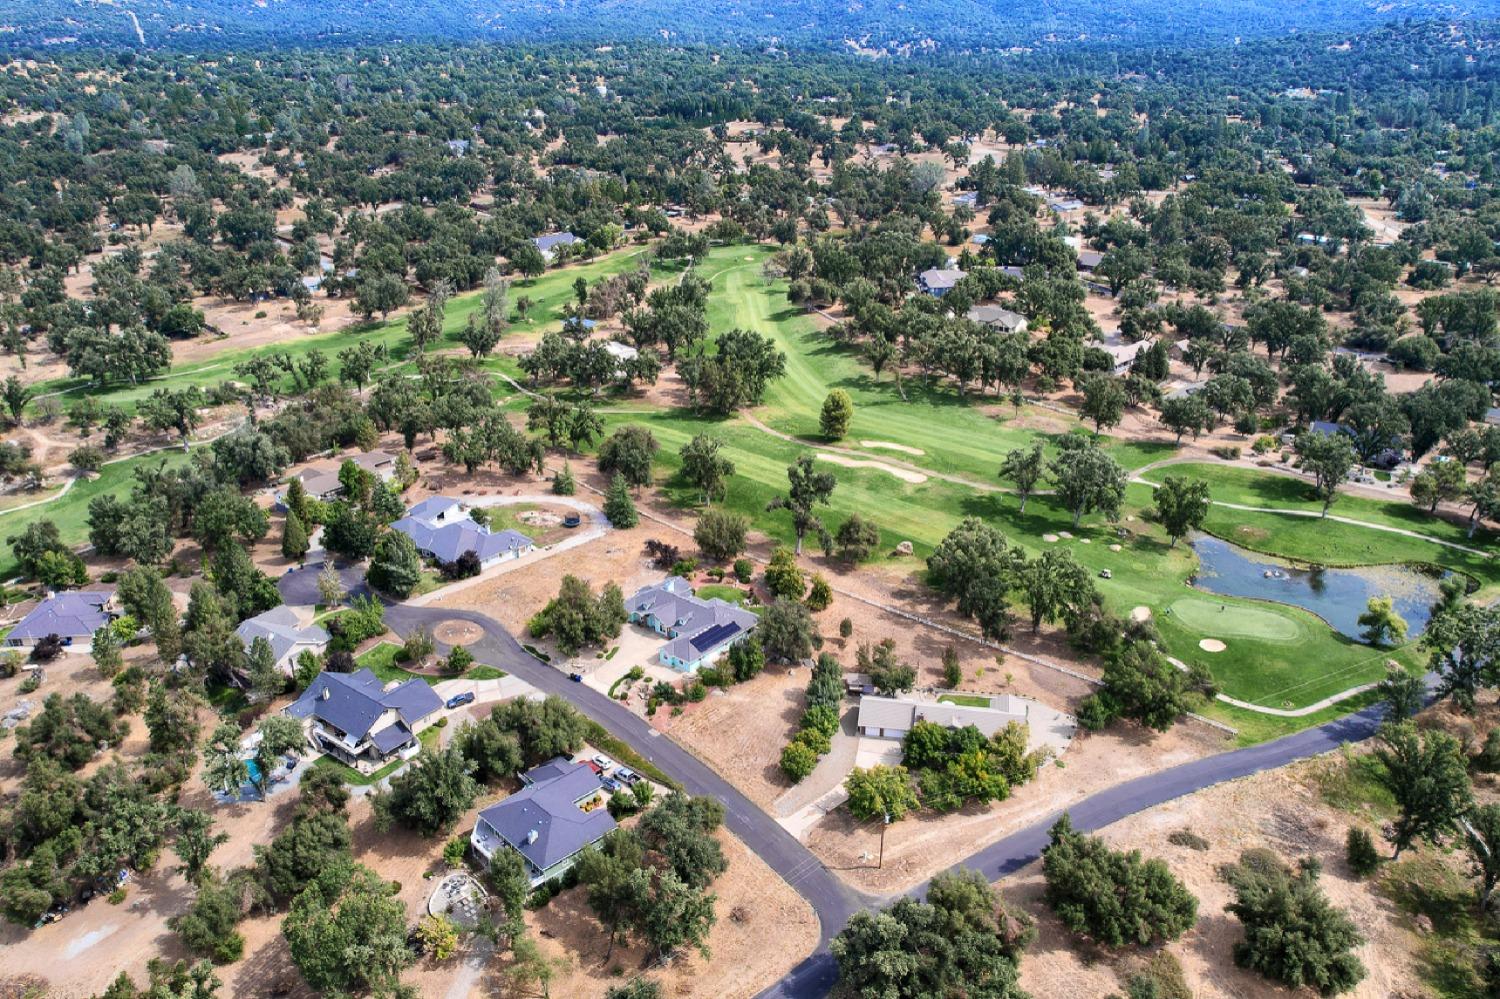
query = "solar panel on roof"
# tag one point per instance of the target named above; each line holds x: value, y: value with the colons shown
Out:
x: 706, y: 640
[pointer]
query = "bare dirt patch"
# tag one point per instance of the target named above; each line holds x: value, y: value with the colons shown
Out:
x: 741, y: 732
x: 763, y: 929
x: 1280, y: 810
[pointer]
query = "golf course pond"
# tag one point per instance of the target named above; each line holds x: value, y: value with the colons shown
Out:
x: 1337, y: 595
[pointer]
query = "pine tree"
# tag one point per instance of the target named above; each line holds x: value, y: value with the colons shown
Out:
x: 296, y: 500
x: 563, y: 483
x: 618, y: 506
x: 294, y: 543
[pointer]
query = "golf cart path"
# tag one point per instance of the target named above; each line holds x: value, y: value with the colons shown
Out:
x: 1140, y: 477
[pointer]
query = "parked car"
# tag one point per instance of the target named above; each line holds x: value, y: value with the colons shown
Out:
x: 609, y: 783
x: 598, y: 770
x: 603, y: 762
x: 627, y: 776
x: 459, y: 700
x: 576, y: 677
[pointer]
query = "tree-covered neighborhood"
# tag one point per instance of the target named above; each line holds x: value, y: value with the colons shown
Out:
x: 629, y: 500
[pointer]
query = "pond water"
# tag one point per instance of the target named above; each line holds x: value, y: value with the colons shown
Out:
x: 1338, y: 596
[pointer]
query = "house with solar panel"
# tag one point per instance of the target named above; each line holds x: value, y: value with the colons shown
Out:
x: 357, y: 720
x: 73, y: 616
x: 442, y: 530
x: 698, y: 631
x: 559, y: 812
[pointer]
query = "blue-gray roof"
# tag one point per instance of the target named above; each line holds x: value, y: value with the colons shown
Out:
x: 66, y: 615
x: 436, y: 528
x: 543, y: 821
x: 552, y: 239
x: 280, y: 627
x: 354, y: 702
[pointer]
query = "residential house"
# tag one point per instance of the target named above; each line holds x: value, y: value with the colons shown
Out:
x: 1089, y: 260
x: 320, y: 479
x: 1387, y: 457
x: 938, y: 281
x: 559, y: 812
x: 442, y: 530
x: 550, y: 243
x: 893, y: 717
x: 72, y: 616
x: 699, y: 630
x: 999, y: 317
x: 1124, y: 354
x: 969, y: 199
x: 356, y: 720
x: 282, y: 627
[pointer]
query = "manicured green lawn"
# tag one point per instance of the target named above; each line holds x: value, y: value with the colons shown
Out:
x: 483, y: 672
x: 70, y: 512
x: 1232, y: 484
x: 966, y: 700
x: 1276, y: 654
x: 550, y: 293
x: 381, y: 660
x: 726, y: 593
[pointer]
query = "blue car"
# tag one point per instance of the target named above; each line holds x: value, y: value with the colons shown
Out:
x: 610, y: 784
x: 459, y: 700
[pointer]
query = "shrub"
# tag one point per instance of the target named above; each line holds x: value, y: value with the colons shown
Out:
x: 1359, y: 850
x: 797, y: 761
x: 1189, y: 839
x: 846, y: 628
x: 1488, y: 759
x: 744, y: 570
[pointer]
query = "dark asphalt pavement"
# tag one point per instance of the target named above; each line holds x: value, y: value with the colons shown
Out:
x: 834, y: 901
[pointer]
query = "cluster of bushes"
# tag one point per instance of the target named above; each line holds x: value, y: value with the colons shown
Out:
x: 956, y: 766
x: 820, y: 721
x: 744, y: 661
x: 575, y: 617
x: 463, y: 567
x: 364, y: 619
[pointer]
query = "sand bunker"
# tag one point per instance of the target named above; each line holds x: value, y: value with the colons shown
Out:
x: 1049, y: 538
x: 1064, y: 534
x: 1141, y: 613
x: 1114, y: 548
x: 905, y: 475
x: 1211, y: 645
x: 892, y: 446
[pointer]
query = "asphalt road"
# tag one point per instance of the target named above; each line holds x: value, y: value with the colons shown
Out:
x: 832, y: 900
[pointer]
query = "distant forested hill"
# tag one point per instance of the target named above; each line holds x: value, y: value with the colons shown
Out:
x: 873, y: 25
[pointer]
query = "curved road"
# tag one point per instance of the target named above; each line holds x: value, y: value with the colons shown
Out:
x: 832, y: 900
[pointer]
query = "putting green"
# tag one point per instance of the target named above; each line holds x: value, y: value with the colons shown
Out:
x: 1236, y: 620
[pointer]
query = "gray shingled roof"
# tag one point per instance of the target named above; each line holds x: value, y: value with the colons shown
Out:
x: 438, y: 528
x: 941, y: 277
x: 355, y: 701
x: 702, y: 625
x: 553, y: 239
x: 894, y: 713
x: 67, y: 615
x: 282, y: 628
x: 542, y: 820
